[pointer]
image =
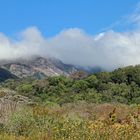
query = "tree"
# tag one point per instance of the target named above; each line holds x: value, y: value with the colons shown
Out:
x: 80, y: 86
x: 92, y: 81
x: 119, y: 76
x: 104, y: 77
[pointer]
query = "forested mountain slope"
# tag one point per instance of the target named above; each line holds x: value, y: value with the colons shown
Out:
x: 4, y: 75
x: 121, y: 85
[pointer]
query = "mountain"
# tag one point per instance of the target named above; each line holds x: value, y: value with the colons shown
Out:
x: 5, y: 74
x: 38, y: 67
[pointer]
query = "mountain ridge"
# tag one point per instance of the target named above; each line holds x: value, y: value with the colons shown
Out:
x: 38, y: 66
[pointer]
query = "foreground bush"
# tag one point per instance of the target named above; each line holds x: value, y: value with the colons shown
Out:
x: 73, y: 122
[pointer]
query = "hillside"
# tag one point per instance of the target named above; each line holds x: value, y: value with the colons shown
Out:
x: 105, y: 104
x: 121, y: 86
x: 75, y: 108
x: 38, y: 67
x: 4, y: 75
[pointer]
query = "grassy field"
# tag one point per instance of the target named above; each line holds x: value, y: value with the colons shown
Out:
x: 79, y: 121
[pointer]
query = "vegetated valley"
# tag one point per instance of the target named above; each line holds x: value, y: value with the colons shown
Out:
x: 68, y: 104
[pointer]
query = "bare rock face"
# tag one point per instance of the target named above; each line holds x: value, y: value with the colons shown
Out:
x: 38, y: 66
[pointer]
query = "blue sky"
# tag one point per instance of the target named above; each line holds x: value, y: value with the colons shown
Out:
x: 89, y: 33
x: 52, y: 16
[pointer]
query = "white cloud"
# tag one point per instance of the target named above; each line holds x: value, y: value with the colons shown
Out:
x: 108, y: 49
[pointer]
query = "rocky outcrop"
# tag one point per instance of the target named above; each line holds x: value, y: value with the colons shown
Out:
x: 39, y: 66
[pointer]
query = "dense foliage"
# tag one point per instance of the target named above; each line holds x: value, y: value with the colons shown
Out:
x: 73, y: 108
x: 121, y: 85
x: 73, y: 122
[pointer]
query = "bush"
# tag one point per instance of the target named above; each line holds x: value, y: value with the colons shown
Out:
x: 21, y: 123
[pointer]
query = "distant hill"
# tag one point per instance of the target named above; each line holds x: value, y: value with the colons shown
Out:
x: 38, y: 67
x: 5, y: 74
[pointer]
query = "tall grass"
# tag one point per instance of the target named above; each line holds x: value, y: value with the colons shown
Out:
x: 73, y: 122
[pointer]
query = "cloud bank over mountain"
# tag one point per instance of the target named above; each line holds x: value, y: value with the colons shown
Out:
x: 109, y: 49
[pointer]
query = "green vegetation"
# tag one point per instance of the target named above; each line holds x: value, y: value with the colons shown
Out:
x: 73, y: 122
x: 119, y: 86
x: 100, y: 106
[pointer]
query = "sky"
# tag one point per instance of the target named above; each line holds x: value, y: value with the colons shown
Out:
x: 52, y: 16
x: 87, y: 33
